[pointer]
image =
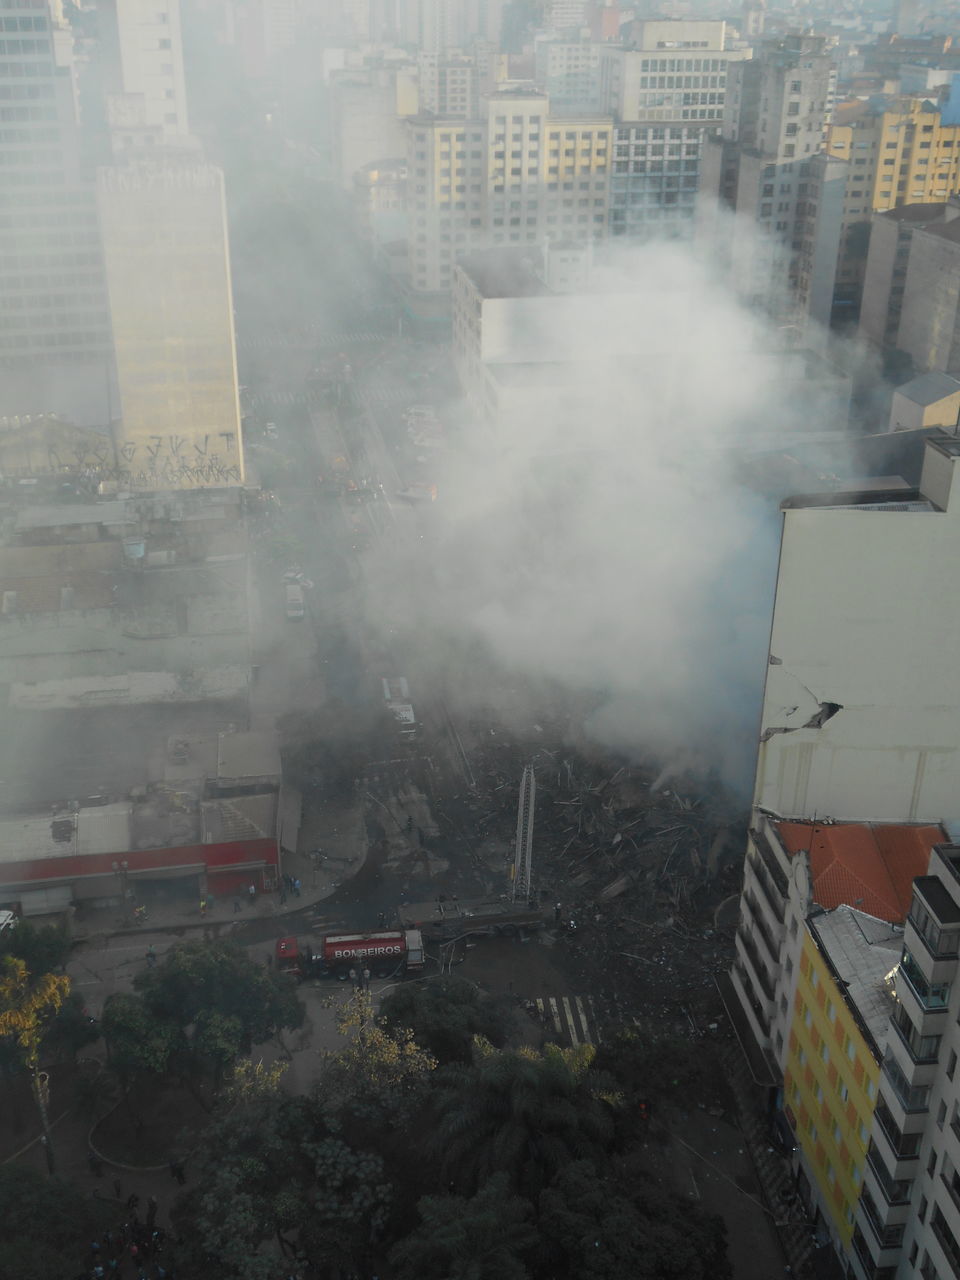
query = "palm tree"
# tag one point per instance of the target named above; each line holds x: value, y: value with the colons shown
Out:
x: 524, y: 1113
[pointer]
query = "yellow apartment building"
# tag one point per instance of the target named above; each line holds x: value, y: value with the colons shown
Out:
x: 841, y: 1011
x: 898, y: 152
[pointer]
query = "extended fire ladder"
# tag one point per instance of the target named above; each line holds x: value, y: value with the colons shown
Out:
x: 523, y: 860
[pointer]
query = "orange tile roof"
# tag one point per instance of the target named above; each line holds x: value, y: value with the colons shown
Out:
x: 869, y: 866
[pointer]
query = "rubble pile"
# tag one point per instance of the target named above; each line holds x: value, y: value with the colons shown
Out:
x: 641, y: 872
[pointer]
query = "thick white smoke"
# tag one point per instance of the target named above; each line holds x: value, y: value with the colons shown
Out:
x: 598, y: 536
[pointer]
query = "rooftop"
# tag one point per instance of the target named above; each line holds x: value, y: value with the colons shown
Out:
x: 53, y: 517
x: 248, y: 755
x: 865, y: 498
x: 868, y: 865
x: 861, y: 950
x: 99, y: 829
x: 918, y: 213
x: 929, y: 388
x: 504, y: 273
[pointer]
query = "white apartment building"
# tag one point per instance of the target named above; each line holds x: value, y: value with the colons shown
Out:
x: 142, y: 57
x: 861, y: 715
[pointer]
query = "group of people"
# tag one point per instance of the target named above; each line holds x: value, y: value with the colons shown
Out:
x: 139, y: 1244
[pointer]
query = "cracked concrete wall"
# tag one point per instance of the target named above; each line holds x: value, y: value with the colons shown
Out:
x: 867, y: 615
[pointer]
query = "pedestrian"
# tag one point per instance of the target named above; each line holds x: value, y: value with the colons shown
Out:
x: 151, y: 956
x: 134, y: 1252
x: 296, y: 887
x: 132, y: 1201
x: 252, y: 893
x: 96, y: 1164
x: 556, y: 913
x: 382, y: 919
x: 203, y: 906
x: 95, y: 1247
x: 152, y: 1207
x: 236, y: 905
x: 98, y: 1272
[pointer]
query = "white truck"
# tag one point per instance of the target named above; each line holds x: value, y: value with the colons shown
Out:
x: 396, y: 695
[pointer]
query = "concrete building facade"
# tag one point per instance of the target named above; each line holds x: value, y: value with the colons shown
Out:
x: 831, y: 1073
x: 838, y: 736
x: 666, y: 91
x: 54, y: 322
x: 911, y: 285
x: 898, y: 151
x: 168, y: 271
x: 141, y: 52
x: 768, y: 170
x: 517, y: 176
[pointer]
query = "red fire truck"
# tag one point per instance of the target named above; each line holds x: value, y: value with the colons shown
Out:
x: 384, y: 953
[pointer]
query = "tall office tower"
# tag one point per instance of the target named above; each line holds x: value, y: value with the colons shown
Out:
x: 163, y: 227
x: 54, y: 325
x: 768, y: 168
x: 899, y: 151
x: 435, y: 26
x: 265, y: 31
x: 562, y: 15
x: 142, y: 59
x: 168, y: 271
x: 667, y: 93
x: 516, y: 176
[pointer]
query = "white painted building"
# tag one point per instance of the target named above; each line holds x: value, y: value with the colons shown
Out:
x: 861, y: 705
x: 144, y: 64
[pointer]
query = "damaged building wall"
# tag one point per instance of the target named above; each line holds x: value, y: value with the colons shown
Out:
x: 861, y: 707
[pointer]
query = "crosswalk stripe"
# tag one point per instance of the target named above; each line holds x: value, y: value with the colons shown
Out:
x: 573, y: 1018
x: 584, y: 1021
x: 571, y: 1031
x: 555, y: 1014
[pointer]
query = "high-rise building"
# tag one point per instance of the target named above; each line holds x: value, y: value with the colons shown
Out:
x: 768, y: 168
x: 666, y: 92
x: 516, y: 176
x: 911, y: 293
x: 568, y: 70
x: 898, y: 151
x: 368, y: 107
x: 54, y: 324
x: 854, y: 1011
x: 168, y: 271
x: 141, y: 54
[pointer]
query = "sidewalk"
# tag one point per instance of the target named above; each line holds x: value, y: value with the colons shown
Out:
x: 339, y: 834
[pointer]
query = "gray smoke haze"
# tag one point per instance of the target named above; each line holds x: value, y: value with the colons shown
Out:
x: 601, y: 539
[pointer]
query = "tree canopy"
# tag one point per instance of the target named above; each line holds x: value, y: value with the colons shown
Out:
x: 514, y: 1165
x: 204, y: 1006
x: 46, y: 1226
x: 444, y: 1017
